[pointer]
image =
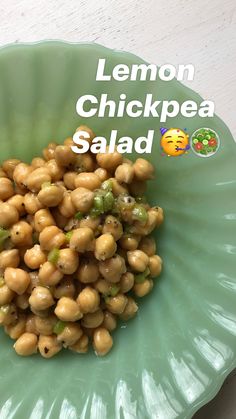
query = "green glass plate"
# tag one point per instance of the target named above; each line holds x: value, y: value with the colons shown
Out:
x: 175, y: 355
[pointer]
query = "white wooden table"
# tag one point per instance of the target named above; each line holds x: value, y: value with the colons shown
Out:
x: 160, y: 31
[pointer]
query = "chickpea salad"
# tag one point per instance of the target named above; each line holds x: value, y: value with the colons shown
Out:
x: 75, y: 248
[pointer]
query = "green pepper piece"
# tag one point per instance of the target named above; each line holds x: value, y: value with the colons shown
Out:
x: 114, y: 289
x: 107, y: 185
x: 2, y: 282
x: 59, y: 327
x: 68, y: 235
x: 108, y: 201
x: 98, y: 203
x: 139, y: 213
x: 4, y: 234
x: 139, y: 278
x: 53, y: 255
x: 94, y: 213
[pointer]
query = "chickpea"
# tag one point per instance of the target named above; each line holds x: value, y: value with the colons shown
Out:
x: 51, y: 237
x: 36, y: 178
x: 41, y: 298
x: 130, y: 310
x: 30, y: 324
x: 17, y: 201
x: 56, y: 172
x: 92, y: 320
x: 60, y: 220
x: 105, y: 247
x: 48, y: 346
x: 9, y: 258
x: 34, y: 257
x: 143, y: 169
x: 26, y: 344
x: 88, y: 300
x: 112, y: 269
x: 30, y: 220
x: 81, y: 239
x: 155, y: 265
x: 144, y: 288
x: 45, y: 325
x: 69, y: 180
x: 117, y: 188
x: 84, y: 163
x: 41, y: 313
x: 81, y: 346
x: 2, y: 173
x: 117, y: 304
x: 126, y: 282
x: 6, y: 188
x: 37, y: 162
x: 21, y: 172
x: 34, y: 281
x: 32, y: 203
x: 124, y: 173
x: 88, y: 271
x: 90, y: 222
x: 43, y: 218
x: 9, y: 167
x: 49, y: 274
x: 138, y: 260
x: 70, y: 334
x: 64, y: 156
x: 49, y: 151
x: 68, y: 261
x: 6, y: 294
x: 22, y: 301
x: 82, y: 199
x: 87, y: 180
x: 109, y: 321
x: 68, y: 310
x: 88, y: 130
x: 137, y: 187
x: 129, y: 241
x: 113, y: 226
x: 8, y: 314
x: 102, y: 286
x: 148, y: 245
x: 15, y: 330
x: 21, y: 234
x: 102, y: 341
x: 17, y: 279
x: 51, y: 195
x: 65, y: 288
x: 8, y: 215
x: 102, y: 174
x: 66, y: 206
x: 155, y: 218
x: 109, y: 161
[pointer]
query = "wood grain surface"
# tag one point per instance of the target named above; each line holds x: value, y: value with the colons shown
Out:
x: 161, y: 31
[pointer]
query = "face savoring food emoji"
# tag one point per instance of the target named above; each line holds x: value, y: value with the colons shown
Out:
x: 174, y: 141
